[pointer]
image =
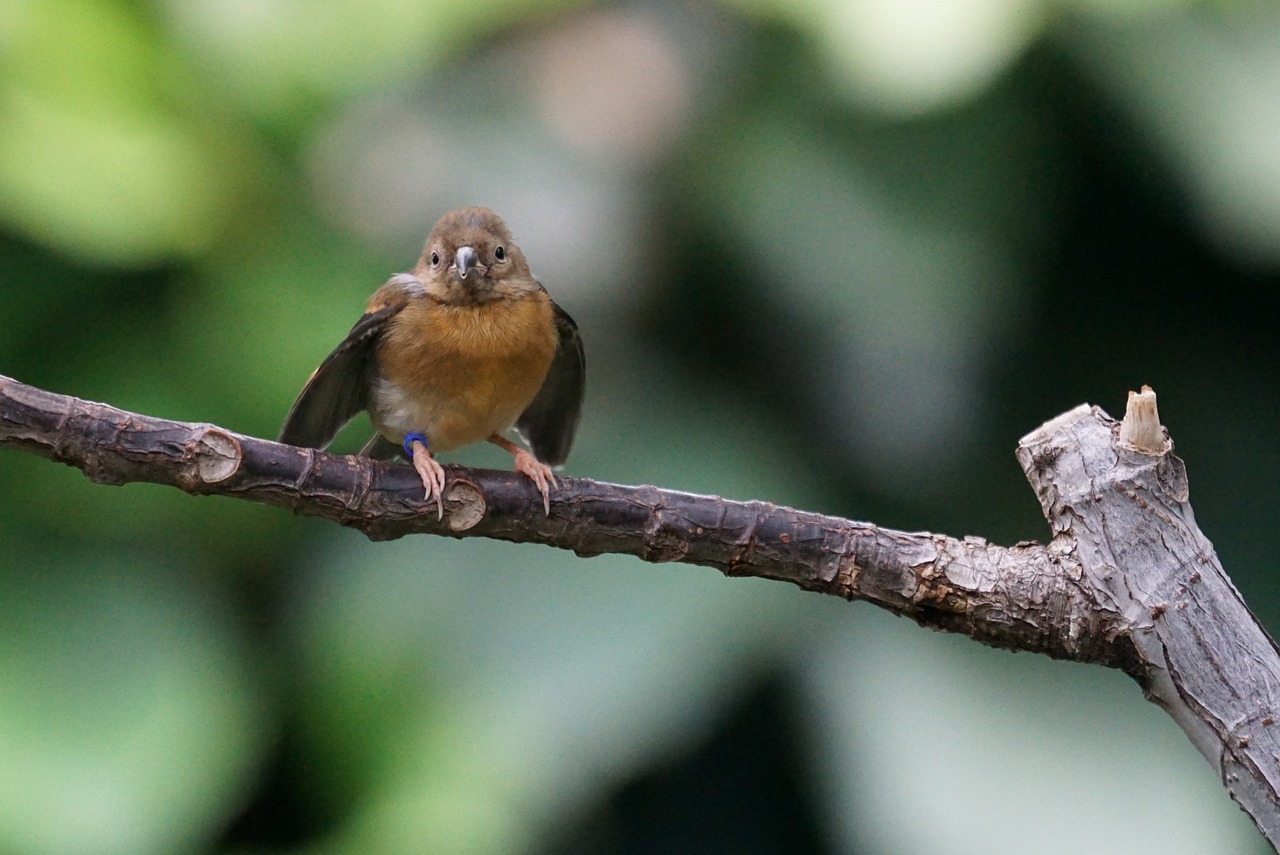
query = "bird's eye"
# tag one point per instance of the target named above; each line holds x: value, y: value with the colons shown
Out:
x: 500, y: 254
x: 435, y: 259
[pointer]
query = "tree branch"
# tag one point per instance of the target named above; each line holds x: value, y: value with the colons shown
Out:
x: 1128, y: 581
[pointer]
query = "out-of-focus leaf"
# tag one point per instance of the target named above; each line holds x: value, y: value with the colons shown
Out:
x: 95, y: 158
x: 1201, y: 85
x: 1051, y: 753
x: 278, y: 53
x: 128, y: 719
x: 907, y: 57
x: 901, y: 292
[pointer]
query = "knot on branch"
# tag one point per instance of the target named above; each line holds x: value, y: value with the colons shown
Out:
x: 216, y: 456
x: 465, y: 503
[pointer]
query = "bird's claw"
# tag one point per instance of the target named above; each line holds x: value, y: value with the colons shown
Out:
x: 540, y: 474
x: 432, y: 475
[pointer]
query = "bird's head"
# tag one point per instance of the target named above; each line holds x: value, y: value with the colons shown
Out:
x: 469, y: 258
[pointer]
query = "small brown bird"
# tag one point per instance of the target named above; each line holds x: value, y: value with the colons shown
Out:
x: 462, y: 349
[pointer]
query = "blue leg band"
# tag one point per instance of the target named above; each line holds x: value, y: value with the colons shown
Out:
x: 409, y: 440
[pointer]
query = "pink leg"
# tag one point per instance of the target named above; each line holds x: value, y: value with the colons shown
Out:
x: 526, y: 464
x: 432, y: 475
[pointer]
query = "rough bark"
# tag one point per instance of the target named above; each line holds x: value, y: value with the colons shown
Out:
x: 1116, y: 497
x: 1127, y: 581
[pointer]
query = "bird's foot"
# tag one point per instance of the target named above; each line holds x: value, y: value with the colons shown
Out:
x: 431, y: 473
x: 538, y: 472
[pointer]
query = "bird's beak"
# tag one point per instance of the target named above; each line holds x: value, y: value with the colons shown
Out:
x: 465, y: 260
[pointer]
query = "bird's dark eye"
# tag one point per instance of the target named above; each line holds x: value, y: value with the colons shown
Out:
x: 500, y: 254
x: 435, y: 259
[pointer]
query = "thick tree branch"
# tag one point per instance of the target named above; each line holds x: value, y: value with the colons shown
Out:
x: 1016, y: 598
x: 1128, y: 580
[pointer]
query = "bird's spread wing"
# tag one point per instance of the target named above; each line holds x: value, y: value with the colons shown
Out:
x: 339, y: 388
x: 548, y: 424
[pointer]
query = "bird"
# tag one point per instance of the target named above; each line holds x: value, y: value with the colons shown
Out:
x: 459, y: 350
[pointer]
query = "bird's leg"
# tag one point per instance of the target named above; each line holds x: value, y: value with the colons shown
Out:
x: 429, y: 469
x: 526, y: 464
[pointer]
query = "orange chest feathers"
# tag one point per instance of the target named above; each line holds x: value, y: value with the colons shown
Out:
x: 489, y: 357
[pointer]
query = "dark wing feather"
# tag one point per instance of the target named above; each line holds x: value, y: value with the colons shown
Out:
x: 339, y: 388
x: 549, y: 423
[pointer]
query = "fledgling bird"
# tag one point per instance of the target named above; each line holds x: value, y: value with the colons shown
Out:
x: 461, y: 349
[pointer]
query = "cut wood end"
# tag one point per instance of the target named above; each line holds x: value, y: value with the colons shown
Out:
x: 217, y: 455
x: 1141, y: 429
x: 466, y: 504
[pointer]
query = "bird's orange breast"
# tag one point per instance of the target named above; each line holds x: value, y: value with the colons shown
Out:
x: 460, y: 373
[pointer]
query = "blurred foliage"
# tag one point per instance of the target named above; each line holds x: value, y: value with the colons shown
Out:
x: 838, y: 255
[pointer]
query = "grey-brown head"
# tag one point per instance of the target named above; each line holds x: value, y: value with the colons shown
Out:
x: 469, y: 258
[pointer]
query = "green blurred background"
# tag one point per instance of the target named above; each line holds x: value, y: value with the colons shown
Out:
x: 838, y: 254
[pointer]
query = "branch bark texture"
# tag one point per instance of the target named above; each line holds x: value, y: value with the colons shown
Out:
x: 1127, y: 581
x: 1119, y: 503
